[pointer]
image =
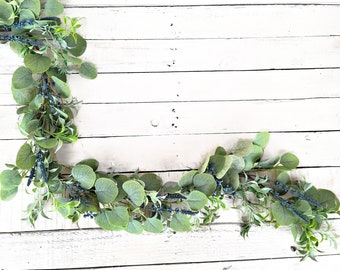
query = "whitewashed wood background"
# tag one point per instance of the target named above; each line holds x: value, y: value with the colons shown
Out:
x: 176, y: 79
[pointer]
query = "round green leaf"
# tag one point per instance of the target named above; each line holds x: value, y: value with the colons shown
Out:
x: 134, y: 227
x: 289, y: 161
x: 254, y: 156
x: 170, y: 187
x: 93, y: 163
x: 221, y: 164
x: 328, y: 200
x: 205, y: 183
x: 37, y: 63
x: 26, y: 14
x: 22, y: 78
x: 23, y: 96
x: 119, y: 216
x: 104, y: 219
x: 88, y: 70
x: 106, y: 190
x: 48, y: 143
x: 25, y: 158
x: 187, y: 178
x: 10, y: 179
x: 6, y: 13
x: 135, y: 192
x: 33, y: 5
x: 62, y: 88
x: 76, y: 47
x: 180, y: 223
x: 282, y: 215
x: 243, y: 148
x: 153, y: 225
x: 53, y: 8
x: 84, y: 175
x: 8, y: 194
x: 197, y: 200
x: 261, y: 139
x: 151, y: 181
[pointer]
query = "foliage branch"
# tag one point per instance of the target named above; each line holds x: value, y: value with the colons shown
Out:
x: 261, y: 188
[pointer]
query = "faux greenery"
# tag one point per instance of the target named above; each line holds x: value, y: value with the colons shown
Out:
x: 261, y: 188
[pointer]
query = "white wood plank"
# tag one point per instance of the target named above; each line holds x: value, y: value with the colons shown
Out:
x: 325, y: 262
x: 76, y: 249
x: 189, y: 2
x: 165, y: 153
x: 191, y: 86
x: 145, y: 119
x: 204, y: 55
x: 207, y: 22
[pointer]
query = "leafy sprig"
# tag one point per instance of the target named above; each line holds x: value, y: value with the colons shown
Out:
x: 261, y: 188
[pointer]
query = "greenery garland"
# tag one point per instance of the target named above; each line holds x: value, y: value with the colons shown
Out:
x: 261, y: 188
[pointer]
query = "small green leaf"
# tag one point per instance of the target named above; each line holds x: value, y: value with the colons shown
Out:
x: 205, y: 183
x: 180, y: 223
x: 153, y: 225
x: 220, y: 151
x: 33, y: 5
x: 48, y: 143
x: 243, y: 148
x: 151, y: 181
x: 22, y: 78
x: 93, y: 163
x: 282, y: 215
x: 10, y: 179
x: 88, y: 70
x: 262, y: 139
x: 197, y: 200
x: 53, y: 8
x: 62, y: 88
x: 106, y: 190
x: 134, y: 227
x: 84, y: 175
x: 187, y: 178
x: 135, y: 192
x: 289, y: 161
x: 37, y: 63
x: 76, y: 47
x: 6, y: 13
x: 25, y: 158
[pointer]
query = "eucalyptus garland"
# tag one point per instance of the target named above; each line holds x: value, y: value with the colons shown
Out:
x: 261, y: 188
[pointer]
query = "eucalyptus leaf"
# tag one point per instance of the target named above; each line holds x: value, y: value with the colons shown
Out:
x: 254, y: 156
x: 243, y: 148
x: 61, y: 87
x: 170, y: 187
x: 23, y: 96
x: 106, y: 190
x: 84, y: 175
x: 187, y: 178
x: 269, y: 163
x: 76, y: 47
x: 88, y: 70
x: 282, y: 215
x: 180, y: 223
x: 289, y: 161
x: 119, y: 216
x: 151, y: 181
x: 37, y: 63
x: 47, y: 143
x: 197, y: 200
x: 204, y: 165
x: 205, y: 183
x: 232, y: 178
x: 6, y: 13
x: 10, y: 179
x: 134, y: 227
x: 93, y: 163
x: 22, y: 78
x: 8, y: 194
x: 53, y: 8
x: 153, y: 225
x: 221, y: 164
x: 328, y: 200
x: 25, y: 158
x: 33, y: 5
x: 262, y: 139
x: 104, y: 219
x: 135, y: 192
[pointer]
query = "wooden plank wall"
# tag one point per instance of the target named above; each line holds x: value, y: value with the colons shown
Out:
x: 176, y: 79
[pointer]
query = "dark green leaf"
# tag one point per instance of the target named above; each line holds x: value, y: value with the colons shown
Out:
x: 197, y: 200
x: 205, y: 183
x: 220, y: 164
x: 119, y: 216
x: 151, y: 181
x: 84, y: 175
x: 6, y: 13
x: 33, y: 5
x: 22, y: 78
x: 328, y: 200
x: 25, y: 158
x: 220, y: 151
x: 23, y: 96
x: 88, y: 70
x: 53, y: 8
x: 254, y: 156
x: 153, y: 225
x: 93, y: 163
x: 170, y: 187
x: 106, y: 190
x: 180, y: 223
x: 269, y: 163
x: 76, y: 47
x: 187, y: 178
x: 282, y: 215
x: 135, y: 192
x: 62, y: 88
x: 37, y: 63
x: 289, y: 161
x: 48, y: 143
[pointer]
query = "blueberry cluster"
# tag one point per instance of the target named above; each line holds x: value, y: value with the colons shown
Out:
x: 53, y: 100
x: 39, y: 163
x: 22, y: 24
x: 172, y: 197
x: 89, y: 214
x: 20, y: 39
x: 158, y: 209
x: 77, y: 193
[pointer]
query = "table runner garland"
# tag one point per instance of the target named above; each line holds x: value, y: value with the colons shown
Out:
x: 261, y: 188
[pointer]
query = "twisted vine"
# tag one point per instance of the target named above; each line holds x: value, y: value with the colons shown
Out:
x: 261, y: 188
